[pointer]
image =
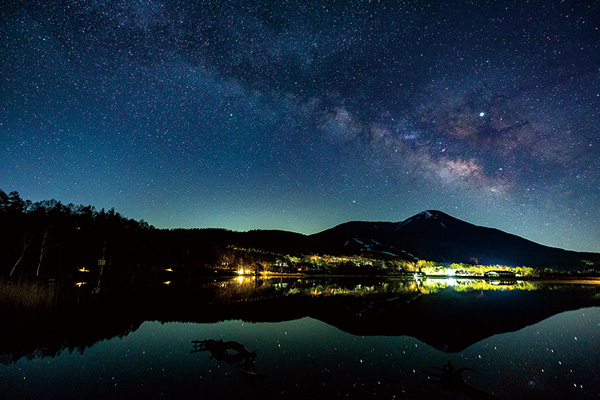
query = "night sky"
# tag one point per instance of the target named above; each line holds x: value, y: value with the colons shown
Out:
x: 302, y: 115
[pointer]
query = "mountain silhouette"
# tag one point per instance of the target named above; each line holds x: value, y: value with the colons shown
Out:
x: 436, y: 236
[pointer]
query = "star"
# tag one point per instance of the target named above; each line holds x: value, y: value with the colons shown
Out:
x: 223, y: 115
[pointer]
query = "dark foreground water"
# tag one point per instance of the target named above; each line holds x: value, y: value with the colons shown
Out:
x: 388, y: 340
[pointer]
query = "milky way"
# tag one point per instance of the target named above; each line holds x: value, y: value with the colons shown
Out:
x: 299, y: 116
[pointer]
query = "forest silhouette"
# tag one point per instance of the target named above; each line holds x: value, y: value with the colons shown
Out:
x: 49, y: 239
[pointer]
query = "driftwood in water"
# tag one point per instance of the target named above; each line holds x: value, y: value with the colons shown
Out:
x: 231, y: 352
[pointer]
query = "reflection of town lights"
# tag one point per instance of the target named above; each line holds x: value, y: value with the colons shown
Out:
x: 83, y: 270
x: 167, y: 283
x: 80, y: 284
x: 169, y: 269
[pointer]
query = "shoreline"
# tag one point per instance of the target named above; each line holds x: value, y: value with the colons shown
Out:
x: 573, y: 279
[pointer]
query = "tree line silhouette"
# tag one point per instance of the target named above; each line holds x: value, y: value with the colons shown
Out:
x: 51, y: 239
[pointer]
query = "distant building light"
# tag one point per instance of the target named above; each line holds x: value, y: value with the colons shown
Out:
x: 499, y: 274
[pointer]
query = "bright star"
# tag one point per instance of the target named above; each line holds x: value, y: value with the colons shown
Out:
x: 482, y: 114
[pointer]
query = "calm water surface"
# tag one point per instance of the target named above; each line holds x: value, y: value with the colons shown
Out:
x: 322, y: 356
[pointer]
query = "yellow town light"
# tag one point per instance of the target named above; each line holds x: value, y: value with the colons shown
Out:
x: 243, y: 271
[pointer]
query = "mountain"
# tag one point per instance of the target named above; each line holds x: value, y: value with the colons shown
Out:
x: 436, y: 236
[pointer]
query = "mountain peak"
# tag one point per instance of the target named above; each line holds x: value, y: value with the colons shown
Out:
x: 427, y: 217
x: 428, y: 214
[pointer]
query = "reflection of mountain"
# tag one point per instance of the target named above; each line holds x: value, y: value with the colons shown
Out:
x: 436, y: 236
x: 448, y: 320
x: 451, y: 321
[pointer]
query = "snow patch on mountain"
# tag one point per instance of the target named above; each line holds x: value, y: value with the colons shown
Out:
x: 426, y: 215
x: 423, y: 215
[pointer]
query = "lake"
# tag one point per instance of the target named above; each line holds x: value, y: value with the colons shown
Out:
x: 346, y: 338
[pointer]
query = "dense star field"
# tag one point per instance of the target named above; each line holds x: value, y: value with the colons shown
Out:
x: 302, y: 115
